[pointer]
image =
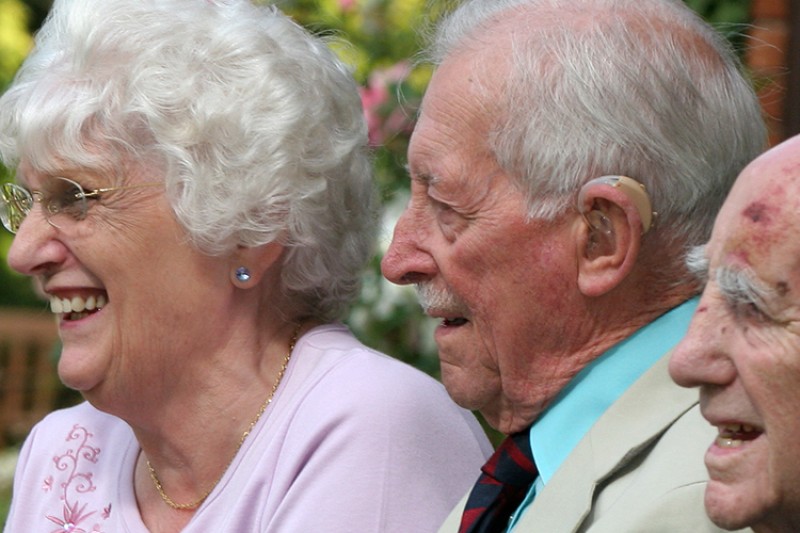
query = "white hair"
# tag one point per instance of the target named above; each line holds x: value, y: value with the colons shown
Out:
x: 697, y: 263
x: 642, y: 88
x: 739, y: 286
x: 258, y: 127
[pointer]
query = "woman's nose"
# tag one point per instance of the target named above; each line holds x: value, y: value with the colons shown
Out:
x: 35, y: 248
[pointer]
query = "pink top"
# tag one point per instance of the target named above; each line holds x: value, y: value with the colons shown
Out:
x: 354, y: 441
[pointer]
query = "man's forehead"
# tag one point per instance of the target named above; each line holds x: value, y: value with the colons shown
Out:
x: 768, y: 190
x: 759, y: 225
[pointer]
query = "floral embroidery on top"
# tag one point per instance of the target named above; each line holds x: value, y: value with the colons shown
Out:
x: 76, y: 480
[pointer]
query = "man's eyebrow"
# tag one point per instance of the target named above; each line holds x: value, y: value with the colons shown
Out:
x: 736, y: 285
x: 424, y: 178
x: 739, y: 286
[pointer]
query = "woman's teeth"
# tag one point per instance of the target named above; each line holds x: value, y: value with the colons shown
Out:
x: 76, y: 304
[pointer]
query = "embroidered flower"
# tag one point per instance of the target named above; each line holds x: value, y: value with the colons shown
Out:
x: 77, y: 479
x: 72, y: 516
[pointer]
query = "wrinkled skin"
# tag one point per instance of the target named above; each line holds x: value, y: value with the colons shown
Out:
x: 512, y: 318
x: 744, y: 353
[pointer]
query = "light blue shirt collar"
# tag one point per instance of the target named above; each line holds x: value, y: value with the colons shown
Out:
x: 592, y: 391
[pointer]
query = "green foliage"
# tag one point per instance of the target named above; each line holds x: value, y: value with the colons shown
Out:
x: 8, y: 460
x: 730, y: 17
x: 15, y: 290
x: 722, y: 12
x: 5, y: 503
x: 15, y: 40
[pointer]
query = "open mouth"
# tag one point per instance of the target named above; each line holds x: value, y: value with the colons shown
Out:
x: 77, y: 307
x: 735, y: 435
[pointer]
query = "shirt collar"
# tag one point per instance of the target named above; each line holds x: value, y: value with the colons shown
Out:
x: 592, y: 391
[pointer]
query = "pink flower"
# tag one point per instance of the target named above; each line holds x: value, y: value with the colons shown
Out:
x: 372, y: 98
x: 375, y: 97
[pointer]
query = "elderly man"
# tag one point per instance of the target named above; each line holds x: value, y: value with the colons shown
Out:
x: 743, y: 348
x: 549, y: 134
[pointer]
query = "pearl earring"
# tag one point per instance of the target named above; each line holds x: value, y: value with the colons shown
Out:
x: 242, y: 274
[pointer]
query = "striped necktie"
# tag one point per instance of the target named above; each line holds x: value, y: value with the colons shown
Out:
x: 505, y: 480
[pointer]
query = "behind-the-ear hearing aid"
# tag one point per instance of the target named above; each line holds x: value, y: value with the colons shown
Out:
x: 635, y: 192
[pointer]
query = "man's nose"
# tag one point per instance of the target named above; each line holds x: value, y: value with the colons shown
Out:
x: 408, y: 259
x: 700, y: 358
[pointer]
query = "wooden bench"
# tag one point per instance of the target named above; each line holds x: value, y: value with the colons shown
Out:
x: 29, y: 385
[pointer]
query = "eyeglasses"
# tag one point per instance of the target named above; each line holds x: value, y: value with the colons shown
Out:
x: 62, y: 200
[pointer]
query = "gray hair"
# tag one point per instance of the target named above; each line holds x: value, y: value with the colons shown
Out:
x: 697, y: 263
x: 739, y: 286
x: 256, y: 124
x: 642, y: 88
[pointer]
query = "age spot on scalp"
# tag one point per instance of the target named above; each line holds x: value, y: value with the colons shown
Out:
x: 757, y: 212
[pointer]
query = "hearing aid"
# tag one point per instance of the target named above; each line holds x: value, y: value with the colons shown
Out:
x: 635, y: 192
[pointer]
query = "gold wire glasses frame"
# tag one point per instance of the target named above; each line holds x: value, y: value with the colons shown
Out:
x: 62, y: 197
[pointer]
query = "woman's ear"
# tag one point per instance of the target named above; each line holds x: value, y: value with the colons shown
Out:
x: 616, y: 213
x: 250, y: 264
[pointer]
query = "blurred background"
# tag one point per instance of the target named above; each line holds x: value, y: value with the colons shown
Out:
x: 383, y: 40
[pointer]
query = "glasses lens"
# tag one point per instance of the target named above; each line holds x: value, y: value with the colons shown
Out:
x: 17, y: 203
x: 65, y: 197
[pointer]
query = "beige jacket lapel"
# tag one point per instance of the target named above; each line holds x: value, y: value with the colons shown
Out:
x: 631, y: 424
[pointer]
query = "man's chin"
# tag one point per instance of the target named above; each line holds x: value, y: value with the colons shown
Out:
x: 461, y: 386
x: 509, y: 417
x: 488, y: 399
x: 464, y: 398
x: 507, y: 425
x: 727, y: 510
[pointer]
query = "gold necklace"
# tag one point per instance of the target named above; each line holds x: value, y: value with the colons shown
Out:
x: 195, y: 504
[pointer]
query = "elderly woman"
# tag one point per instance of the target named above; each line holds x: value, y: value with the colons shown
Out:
x: 194, y: 196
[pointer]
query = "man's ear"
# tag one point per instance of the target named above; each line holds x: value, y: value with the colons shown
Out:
x: 250, y: 264
x: 616, y: 213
